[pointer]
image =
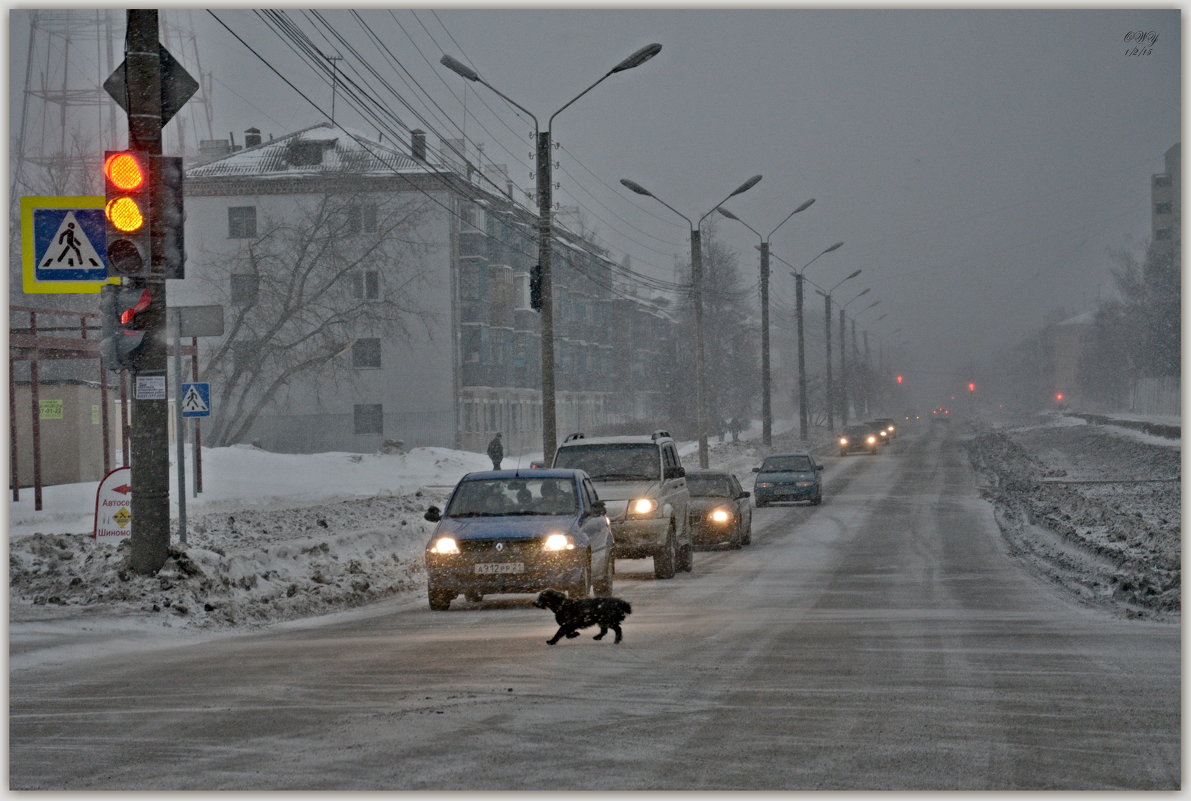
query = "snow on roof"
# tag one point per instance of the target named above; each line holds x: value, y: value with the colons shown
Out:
x: 318, y: 149
x: 1087, y: 318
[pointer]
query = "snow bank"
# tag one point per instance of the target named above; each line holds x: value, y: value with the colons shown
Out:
x: 1092, y: 508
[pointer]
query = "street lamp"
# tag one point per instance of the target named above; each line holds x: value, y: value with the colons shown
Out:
x: 803, y: 415
x: 545, y: 200
x: 843, y: 360
x: 697, y: 279
x: 827, y: 322
x: 865, y: 374
x: 766, y: 407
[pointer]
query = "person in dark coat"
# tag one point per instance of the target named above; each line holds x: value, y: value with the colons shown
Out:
x: 496, y: 451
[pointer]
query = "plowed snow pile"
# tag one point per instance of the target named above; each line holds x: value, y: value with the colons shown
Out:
x: 1083, y: 505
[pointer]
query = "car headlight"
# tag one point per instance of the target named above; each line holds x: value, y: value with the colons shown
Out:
x: 558, y: 542
x: 642, y: 507
x: 763, y: 484
x: 872, y: 440
x: 843, y: 440
x: 884, y: 433
x: 445, y: 545
x: 721, y: 515
x: 804, y: 484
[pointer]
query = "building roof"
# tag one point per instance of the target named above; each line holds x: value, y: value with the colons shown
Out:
x: 1087, y: 318
x: 319, y: 149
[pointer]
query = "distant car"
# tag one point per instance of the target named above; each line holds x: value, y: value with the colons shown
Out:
x: 890, y: 426
x: 720, y: 511
x: 789, y: 477
x: 859, y: 439
x: 940, y: 415
x: 510, y: 531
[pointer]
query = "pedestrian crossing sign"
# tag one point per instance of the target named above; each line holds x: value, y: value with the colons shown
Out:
x: 62, y: 244
x: 196, y: 400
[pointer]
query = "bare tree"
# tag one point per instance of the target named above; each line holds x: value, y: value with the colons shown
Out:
x: 302, y: 292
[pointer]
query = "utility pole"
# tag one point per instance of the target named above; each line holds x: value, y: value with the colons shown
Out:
x: 700, y: 363
x: 545, y: 201
x: 150, y: 86
x: 830, y: 394
x: 843, y: 371
x: 150, y: 537
x: 766, y: 379
x: 803, y: 415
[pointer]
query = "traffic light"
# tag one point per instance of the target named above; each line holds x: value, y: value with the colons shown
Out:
x: 166, y: 176
x: 127, y: 211
x: 535, y: 287
x: 123, y: 324
x: 900, y: 379
x: 971, y: 386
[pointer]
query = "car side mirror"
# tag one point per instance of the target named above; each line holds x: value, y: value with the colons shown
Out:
x: 598, y: 508
x: 433, y: 514
x: 674, y: 472
x: 744, y: 495
x: 756, y: 470
x: 818, y: 467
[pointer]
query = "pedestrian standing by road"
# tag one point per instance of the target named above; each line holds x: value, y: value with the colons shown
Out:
x: 496, y: 451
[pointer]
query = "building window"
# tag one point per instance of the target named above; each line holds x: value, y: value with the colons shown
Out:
x: 1162, y: 234
x: 369, y: 418
x: 1162, y: 208
x: 1161, y: 180
x: 361, y: 217
x: 241, y: 222
x: 245, y: 289
x: 366, y: 285
x: 366, y: 354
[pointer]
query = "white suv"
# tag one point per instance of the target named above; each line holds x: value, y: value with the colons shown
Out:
x: 643, y: 485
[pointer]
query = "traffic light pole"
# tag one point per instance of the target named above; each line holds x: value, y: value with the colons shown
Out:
x: 150, y: 429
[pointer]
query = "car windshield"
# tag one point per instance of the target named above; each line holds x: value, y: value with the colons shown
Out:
x: 513, y: 496
x: 628, y: 461
x: 783, y: 464
x: 700, y: 486
x: 858, y: 431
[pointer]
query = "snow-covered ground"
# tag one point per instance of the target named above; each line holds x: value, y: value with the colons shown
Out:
x: 1095, y: 508
x: 277, y: 537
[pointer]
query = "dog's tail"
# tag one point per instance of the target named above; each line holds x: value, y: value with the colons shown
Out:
x: 624, y: 606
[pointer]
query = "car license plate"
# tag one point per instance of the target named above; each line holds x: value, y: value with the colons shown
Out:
x: 489, y: 568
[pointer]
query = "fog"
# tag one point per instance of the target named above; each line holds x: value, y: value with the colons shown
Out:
x: 981, y: 167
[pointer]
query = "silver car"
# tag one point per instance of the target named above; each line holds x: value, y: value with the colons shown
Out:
x: 643, y: 485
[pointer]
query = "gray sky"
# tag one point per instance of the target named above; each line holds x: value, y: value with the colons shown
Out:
x: 980, y: 166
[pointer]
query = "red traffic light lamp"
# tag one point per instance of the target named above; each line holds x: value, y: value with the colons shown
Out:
x: 900, y: 379
x: 971, y: 386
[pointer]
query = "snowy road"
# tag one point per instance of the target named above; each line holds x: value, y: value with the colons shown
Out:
x: 881, y: 641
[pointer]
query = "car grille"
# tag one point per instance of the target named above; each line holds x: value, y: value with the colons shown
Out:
x: 509, y: 547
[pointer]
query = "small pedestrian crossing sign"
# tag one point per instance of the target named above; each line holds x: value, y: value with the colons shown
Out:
x: 62, y: 242
x: 196, y: 400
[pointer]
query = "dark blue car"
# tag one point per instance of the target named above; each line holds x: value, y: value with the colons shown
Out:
x: 511, y: 531
x: 789, y: 477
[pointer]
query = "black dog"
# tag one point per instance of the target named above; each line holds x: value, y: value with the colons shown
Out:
x: 573, y: 614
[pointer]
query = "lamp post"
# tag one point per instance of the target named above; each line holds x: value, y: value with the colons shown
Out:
x: 545, y: 201
x: 827, y: 323
x: 866, y: 391
x: 697, y: 280
x: 803, y: 416
x: 843, y: 358
x: 766, y: 382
